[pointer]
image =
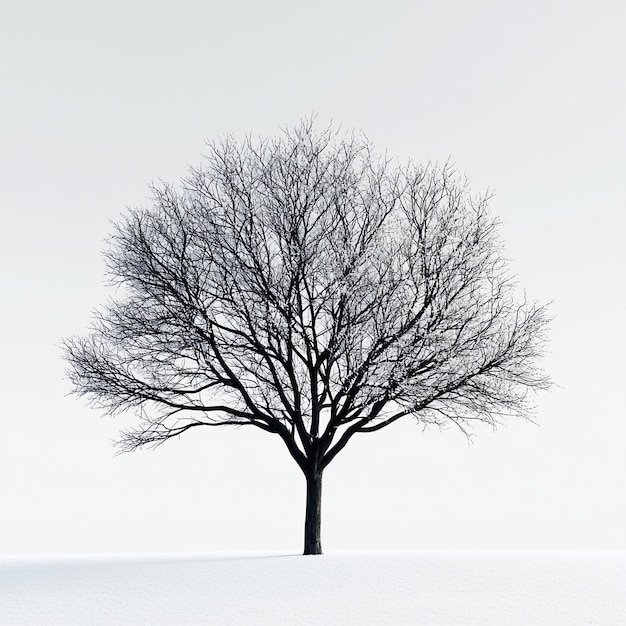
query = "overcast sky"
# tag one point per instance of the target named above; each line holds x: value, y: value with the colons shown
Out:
x: 528, y: 98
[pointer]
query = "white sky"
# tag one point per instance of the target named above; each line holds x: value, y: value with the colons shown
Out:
x: 97, y: 99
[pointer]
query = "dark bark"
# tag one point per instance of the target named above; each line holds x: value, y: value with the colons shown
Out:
x: 313, y: 518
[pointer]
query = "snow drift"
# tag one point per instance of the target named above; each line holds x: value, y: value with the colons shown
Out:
x: 429, y: 587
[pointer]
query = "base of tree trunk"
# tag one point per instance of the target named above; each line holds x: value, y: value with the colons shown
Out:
x: 313, y: 518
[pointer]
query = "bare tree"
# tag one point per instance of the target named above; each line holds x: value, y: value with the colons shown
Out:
x: 308, y: 287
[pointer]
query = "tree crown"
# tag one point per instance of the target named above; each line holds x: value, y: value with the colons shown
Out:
x: 307, y: 286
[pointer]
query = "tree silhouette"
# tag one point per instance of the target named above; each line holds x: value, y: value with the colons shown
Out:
x: 304, y: 285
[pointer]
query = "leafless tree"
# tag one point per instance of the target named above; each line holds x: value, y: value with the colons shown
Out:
x: 306, y: 286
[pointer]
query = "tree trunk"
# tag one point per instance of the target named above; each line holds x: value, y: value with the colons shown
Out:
x: 313, y: 518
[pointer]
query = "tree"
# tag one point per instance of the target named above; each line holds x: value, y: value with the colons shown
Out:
x: 310, y: 288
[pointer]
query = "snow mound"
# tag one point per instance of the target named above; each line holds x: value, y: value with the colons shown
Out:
x: 430, y: 587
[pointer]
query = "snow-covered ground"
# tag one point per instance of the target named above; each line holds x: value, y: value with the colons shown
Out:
x: 429, y: 587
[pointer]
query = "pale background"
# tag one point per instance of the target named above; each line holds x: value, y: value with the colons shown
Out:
x: 99, y: 98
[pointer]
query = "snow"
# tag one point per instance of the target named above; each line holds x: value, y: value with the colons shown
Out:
x: 420, y: 587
